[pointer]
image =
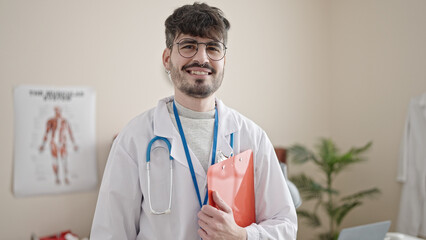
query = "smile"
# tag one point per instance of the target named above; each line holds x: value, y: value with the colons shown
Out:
x: 193, y: 72
x: 199, y: 70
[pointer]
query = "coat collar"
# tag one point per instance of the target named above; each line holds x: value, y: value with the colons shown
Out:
x: 163, y: 127
x: 227, y: 125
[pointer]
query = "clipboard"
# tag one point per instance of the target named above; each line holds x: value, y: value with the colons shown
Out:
x: 233, y: 179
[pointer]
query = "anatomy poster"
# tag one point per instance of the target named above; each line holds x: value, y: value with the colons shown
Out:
x: 54, y: 142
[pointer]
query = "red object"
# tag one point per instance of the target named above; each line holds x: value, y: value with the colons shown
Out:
x: 281, y: 154
x: 59, y: 236
x: 233, y: 179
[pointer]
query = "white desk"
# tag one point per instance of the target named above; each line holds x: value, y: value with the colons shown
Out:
x: 400, y: 236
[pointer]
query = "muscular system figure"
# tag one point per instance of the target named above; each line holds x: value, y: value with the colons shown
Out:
x: 58, y: 128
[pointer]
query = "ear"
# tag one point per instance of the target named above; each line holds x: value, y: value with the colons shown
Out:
x: 166, y: 58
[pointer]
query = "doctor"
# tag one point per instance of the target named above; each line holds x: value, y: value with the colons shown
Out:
x: 194, y: 122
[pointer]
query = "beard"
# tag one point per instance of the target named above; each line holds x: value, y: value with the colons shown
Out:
x: 200, y: 88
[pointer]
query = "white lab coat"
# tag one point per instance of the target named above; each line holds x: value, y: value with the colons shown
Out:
x: 123, y: 212
x: 412, y: 171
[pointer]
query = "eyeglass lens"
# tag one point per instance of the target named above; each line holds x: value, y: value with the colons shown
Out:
x: 189, y: 47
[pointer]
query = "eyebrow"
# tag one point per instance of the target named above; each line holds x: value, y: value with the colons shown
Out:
x: 214, y: 43
x: 190, y: 40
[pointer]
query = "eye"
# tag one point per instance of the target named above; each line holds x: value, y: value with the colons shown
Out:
x: 214, y: 47
x: 188, y: 46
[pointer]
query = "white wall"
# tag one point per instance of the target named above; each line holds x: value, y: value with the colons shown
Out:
x: 295, y: 67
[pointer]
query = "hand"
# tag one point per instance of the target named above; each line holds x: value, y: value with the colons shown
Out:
x: 219, y: 223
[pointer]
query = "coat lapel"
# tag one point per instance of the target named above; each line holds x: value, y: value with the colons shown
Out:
x: 227, y: 125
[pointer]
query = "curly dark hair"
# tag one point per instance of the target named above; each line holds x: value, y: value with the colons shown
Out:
x: 199, y: 20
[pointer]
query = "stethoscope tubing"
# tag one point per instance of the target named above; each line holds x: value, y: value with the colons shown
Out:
x: 148, y: 169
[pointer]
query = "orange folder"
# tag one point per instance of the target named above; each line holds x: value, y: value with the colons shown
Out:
x: 233, y: 179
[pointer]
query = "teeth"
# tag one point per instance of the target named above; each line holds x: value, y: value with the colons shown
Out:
x: 199, y: 73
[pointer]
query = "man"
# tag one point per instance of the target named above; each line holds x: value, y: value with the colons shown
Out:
x: 57, y: 127
x: 135, y: 203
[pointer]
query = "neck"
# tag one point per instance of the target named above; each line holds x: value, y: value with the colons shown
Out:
x: 196, y: 104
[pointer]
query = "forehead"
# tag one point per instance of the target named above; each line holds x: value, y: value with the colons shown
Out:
x: 198, y: 39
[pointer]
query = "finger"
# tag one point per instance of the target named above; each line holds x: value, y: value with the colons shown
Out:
x: 205, y: 216
x: 220, y: 203
x: 202, y: 234
x: 204, y: 226
x: 209, y: 211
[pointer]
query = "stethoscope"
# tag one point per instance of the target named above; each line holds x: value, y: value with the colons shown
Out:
x: 188, y: 158
x: 148, y: 169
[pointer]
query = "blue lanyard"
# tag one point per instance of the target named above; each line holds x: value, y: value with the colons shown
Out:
x: 231, y: 143
x: 188, y: 156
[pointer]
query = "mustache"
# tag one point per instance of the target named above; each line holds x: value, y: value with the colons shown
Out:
x: 195, y: 64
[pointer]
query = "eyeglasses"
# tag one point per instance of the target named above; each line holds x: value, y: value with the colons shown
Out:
x: 188, y: 47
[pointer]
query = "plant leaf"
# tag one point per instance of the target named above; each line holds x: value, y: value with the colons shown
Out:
x: 344, y: 209
x: 308, y: 188
x: 360, y: 150
x: 299, y: 154
x: 359, y: 195
x: 328, y: 153
x: 327, y: 150
x: 311, y: 218
x: 350, y: 157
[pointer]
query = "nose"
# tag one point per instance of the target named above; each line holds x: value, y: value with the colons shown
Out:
x: 201, y: 55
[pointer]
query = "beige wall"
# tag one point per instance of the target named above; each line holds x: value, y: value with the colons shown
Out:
x: 300, y: 69
x: 378, y: 57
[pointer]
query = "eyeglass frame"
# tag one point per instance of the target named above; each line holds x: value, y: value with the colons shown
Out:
x: 198, y: 43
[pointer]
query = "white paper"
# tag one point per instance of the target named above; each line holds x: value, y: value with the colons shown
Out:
x: 54, y: 144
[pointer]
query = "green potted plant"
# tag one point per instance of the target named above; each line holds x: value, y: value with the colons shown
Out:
x: 330, y: 162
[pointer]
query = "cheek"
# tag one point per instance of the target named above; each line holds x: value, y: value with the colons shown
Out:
x: 220, y: 66
x: 177, y: 64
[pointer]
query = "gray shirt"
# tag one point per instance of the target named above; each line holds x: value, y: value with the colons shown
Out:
x: 198, y: 129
